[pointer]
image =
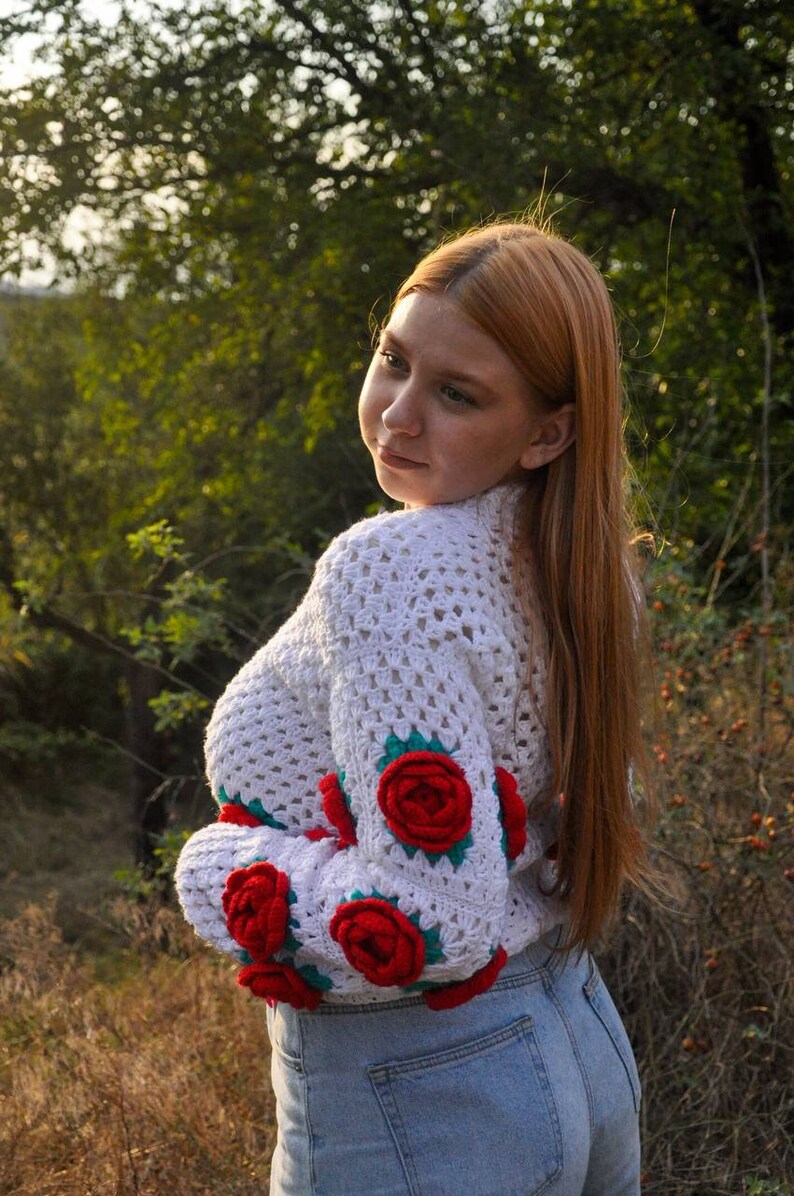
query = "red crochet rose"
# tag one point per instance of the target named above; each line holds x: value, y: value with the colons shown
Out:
x: 257, y: 909
x: 456, y: 994
x: 279, y: 982
x: 379, y: 941
x: 239, y: 815
x: 336, y: 811
x: 514, y: 813
x: 426, y: 800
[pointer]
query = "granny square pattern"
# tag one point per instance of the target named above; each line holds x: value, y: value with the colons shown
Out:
x: 381, y: 769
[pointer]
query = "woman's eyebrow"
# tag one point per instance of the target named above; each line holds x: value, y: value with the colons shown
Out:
x: 386, y: 333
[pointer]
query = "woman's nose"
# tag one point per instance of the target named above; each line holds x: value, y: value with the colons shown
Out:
x: 403, y: 413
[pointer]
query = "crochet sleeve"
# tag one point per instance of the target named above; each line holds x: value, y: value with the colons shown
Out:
x: 408, y: 895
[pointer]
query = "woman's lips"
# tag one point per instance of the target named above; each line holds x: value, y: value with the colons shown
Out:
x: 395, y: 461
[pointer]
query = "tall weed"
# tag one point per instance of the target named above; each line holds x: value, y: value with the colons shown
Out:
x: 704, y: 979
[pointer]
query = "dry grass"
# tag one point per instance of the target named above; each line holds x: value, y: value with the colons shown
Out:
x: 67, y: 840
x: 707, y: 999
x: 705, y: 979
x: 151, y: 1079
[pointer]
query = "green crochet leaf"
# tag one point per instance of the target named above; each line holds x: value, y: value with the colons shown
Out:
x: 314, y: 978
x: 503, y: 843
x: 254, y: 807
x: 396, y: 747
x: 357, y: 895
x: 456, y: 853
x: 341, y: 778
x: 291, y: 943
x: 433, y: 952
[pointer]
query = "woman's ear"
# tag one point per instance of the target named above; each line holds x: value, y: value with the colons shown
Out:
x: 550, y: 437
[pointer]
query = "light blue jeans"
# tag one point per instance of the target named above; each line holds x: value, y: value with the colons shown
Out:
x: 531, y: 1087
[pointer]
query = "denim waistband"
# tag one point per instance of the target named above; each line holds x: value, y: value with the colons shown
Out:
x: 544, y: 955
x: 538, y: 960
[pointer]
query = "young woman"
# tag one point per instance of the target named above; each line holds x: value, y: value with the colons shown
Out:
x: 423, y: 778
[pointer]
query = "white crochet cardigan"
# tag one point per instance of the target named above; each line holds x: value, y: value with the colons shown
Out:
x: 400, y: 682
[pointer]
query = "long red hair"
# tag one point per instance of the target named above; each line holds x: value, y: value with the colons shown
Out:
x: 548, y: 307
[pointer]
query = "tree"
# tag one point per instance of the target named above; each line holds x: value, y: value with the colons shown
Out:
x: 90, y: 457
x: 262, y: 176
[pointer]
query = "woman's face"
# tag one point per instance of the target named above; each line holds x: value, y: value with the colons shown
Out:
x: 444, y: 411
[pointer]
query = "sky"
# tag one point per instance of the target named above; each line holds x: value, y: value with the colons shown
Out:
x: 16, y: 68
x: 20, y: 65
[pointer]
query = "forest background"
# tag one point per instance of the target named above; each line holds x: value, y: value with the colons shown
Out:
x: 225, y: 196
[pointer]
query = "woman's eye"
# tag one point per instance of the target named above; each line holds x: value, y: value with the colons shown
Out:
x: 393, y: 360
x: 457, y: 397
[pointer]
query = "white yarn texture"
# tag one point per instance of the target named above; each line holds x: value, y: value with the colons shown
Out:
x: 411, y: 626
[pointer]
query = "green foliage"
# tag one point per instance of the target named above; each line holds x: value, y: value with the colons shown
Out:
x: 159, y: 540
x: 15, y: 662
x: 50, y: 695
x: 148, y: 886
x: 28, y: 745
x: 173, y: 710
x: 177, y: 433
x: 265, y: 176
x: 190, y: 611
x: 754, y: 1186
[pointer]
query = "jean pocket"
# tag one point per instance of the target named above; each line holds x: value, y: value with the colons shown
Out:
x: 604, y: 1007
x: 479, y: 1116
x: 285, y: 1041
